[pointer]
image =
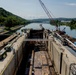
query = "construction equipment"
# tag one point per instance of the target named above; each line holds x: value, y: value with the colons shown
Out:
x: 8, y: 47
x: 51, y: 18
x: 48, y: 13
x: 3, y: 54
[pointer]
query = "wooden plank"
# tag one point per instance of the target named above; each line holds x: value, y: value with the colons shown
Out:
x: 45, y: 70
x: 44, y: 60
x: 37, y: 60
x: 48, y: 59
x: 38, y: 72
x: 38, y: 63
x: 45, y: 67
x: 30, y: 72
x: 31, y: 63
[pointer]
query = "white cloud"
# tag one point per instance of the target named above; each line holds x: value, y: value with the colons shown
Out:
x: 70, y: 4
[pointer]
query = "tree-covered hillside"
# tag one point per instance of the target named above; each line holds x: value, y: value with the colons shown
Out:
x: 8, y: 19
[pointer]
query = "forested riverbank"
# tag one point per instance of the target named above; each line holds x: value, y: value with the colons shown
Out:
x: 71, y: 23
x: 9, y: 20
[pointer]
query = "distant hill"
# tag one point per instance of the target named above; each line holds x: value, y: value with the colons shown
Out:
x: 8, y: 16
x: 65, y: 19
x: 40, y: 20
x: 47, y: 20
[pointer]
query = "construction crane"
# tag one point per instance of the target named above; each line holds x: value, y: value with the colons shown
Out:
x: 48, y: 13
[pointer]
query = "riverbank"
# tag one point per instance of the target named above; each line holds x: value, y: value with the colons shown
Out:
x: 71, y: 23
x: 12, y: 29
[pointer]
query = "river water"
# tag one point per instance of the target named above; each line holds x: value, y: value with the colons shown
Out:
x: 51, y: 27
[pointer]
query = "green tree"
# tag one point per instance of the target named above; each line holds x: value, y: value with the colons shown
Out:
x: 72, y: 24
x: 2, y: 20
x: 9, y: 22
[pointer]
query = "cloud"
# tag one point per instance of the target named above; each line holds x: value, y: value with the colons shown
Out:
x: 70, y: 4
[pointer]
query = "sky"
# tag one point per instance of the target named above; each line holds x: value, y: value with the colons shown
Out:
x: 31, y: 9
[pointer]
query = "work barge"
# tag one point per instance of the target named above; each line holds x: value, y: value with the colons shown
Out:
x: 36, y: 52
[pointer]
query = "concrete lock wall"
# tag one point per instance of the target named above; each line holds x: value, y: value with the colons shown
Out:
x: 61, y: 58
x: 56, y: 55
x: 65, y: 66
x: 13, y: 64
x: 10, y: 69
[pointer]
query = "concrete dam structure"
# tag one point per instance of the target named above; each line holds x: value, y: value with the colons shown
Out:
x: 36, y: 52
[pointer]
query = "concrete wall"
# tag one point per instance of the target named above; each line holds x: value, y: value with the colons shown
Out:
x: 15, y: 59
x: 61, y: 58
